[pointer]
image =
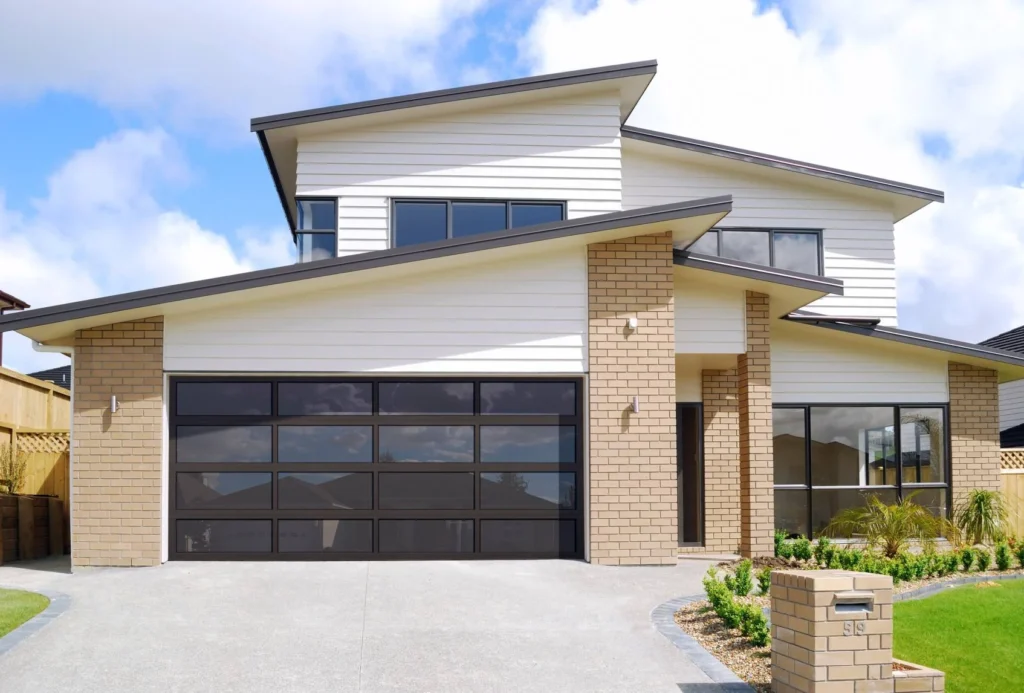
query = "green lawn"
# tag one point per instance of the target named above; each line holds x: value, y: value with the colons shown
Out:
x: 974, y: 634
x: 16, y: 607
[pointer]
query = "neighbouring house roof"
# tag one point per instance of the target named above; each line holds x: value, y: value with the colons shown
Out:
x: 690, y: 219
x: 1012, y: 437
x: 8, y: 302
x: 1011, y: 340
x: 58, y: 376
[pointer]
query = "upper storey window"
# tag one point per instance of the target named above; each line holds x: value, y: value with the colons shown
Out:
x: 789, y: 249
x: 317, y: 235
x: 423, y: 221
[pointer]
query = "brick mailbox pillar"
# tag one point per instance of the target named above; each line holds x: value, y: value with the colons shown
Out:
x: 831, y: 632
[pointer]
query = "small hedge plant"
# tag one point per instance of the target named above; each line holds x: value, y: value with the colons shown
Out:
x: 1003, y: 556
x: 740, y: 583
x: 984, y: 560
x: 747, y: 617
x: 764, y: 580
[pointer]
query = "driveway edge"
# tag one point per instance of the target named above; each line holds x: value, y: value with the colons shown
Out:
x: 59, y: 603
x: 663, y: 619
x: 933, y: 589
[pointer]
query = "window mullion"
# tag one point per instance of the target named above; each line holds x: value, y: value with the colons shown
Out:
x: 899, y: 453
x: 807, y: 471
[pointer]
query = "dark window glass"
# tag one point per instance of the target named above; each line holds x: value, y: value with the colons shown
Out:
x: 791, y: 511
x: 420, y: 222
x: 228, y: 398
x: 528, y: 444
x: 706, y: 244
x: 317, y: 215
x: 426, y: 443
x: 323, y: 490
x: 922, y: 443
x: 469, y: 218
x: 435, y: 490
x: 551, y: 537
x: 789, y: 451
x: 528, y: 490
x: 747, y: 246
x: 316, y: 246
x: 932, y: 498
x: 295, y: 536
x: 325, y: 444
x: 234, y: 490
x: 827, y: 503
x: 426, y: 398
x: 797, y: 252
x: 313, y: 399
x: 223, y: 444
x: 525, y: 214
x: 853, y: 446
x: 425, y: 536
x: 223, y: 536
x: 528, y: 398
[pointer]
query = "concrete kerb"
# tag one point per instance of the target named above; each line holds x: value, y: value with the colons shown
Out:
x: 59, y: 603
x: 929, y: 590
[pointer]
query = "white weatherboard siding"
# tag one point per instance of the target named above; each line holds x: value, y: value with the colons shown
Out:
x: 564, y: 151
x: 822, y: 368
x: 527, y: 315
x: 709, y: 319
x: 859, y: 243
x: 1011, y: 404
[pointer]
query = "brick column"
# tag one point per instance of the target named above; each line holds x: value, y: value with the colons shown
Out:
x: 632, y: 455
x: 721, y: 461
x: 117, y: 456
x: 754, y: 389
x: 973, y: 428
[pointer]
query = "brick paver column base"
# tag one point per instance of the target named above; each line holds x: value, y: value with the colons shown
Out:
x: 754, y: 389
x: 721, y: 461
x: 973, y: 428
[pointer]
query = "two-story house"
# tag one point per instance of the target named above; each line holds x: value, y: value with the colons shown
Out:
x: 520, y: 327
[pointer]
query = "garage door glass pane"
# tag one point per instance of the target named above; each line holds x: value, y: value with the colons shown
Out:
x: 528, y: 398
x: 325, y: 444
x: 922, y: 443
x: 337, y: 491
x: 426, y: 398
x: 223, y: 444
x: 853, y: 446
x: 555, y: 444
x: 230, y: 399
x: 294, y: 536
x: 426, y: 443
x: 827, y: 503
x: 315, y: 399
x: 550, y: 537
x: 234, y: 490
x: 223, y: 536
x: 528, y: 490
x: 425, y: 536
x: 791, y: 511
x: 789, y: 438
x: 434, y: 490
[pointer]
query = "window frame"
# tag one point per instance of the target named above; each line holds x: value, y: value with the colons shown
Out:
x: 318, y: 232
x: 899, y: 486
x: 448, y: 202
x: 771, y: 231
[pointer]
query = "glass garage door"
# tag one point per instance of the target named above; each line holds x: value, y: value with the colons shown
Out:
x: 275, y: 468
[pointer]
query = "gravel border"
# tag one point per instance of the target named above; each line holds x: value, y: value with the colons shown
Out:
x: 663, y: 619
x: 59, y: 603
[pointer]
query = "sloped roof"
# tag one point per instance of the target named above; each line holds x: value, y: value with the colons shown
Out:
x: 1012, y: 437
x: 1011, y: 340
x: 58, y: 376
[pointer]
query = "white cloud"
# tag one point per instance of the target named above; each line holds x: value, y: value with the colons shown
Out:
x: 858, y: 85
x: 223, y: 61
x: 100, y: 231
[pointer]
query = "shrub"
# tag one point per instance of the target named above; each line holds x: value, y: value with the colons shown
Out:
x: 891, y: 526
x: 967, y: 558
x: 850, y: 559
x: 952, y: 562
x: 780, y: 538
x: 1003, y: 556
x: 981, y: 516
x: 984, y: 560
x: 764, y: 580
x: 754, y: 625
x: 802, y: 549
x: 1020, y: 554
x: 13, y: 465
x: 742, y: 583
x: 786, y: 550
x: 821, y: 549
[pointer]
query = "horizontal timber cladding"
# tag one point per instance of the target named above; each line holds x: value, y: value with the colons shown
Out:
x: 350, y: 468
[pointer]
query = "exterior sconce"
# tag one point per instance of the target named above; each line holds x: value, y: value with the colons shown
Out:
x: 631, y: 323
x: 635, y: 406
x: 113, y: 404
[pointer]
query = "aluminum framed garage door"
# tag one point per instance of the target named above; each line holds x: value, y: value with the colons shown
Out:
x: 346, y: 468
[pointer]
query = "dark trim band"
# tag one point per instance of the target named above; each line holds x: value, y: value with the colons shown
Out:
x: 748, y: 270
x: 289, y: 213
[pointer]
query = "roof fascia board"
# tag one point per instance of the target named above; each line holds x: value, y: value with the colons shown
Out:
x: 747, y: 270
x: 719, y: 206
x: 511, y: 86
x: 289, y: 212
x: 780, y: 163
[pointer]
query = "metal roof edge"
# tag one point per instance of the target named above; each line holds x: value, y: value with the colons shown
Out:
x: 748, y: 270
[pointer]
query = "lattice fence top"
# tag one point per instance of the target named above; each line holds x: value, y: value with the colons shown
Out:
x: 51, y: 441
x: 1012, y: 459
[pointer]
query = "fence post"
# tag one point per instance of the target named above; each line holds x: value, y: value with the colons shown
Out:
x: 26, y: 529
x: 56, y: 519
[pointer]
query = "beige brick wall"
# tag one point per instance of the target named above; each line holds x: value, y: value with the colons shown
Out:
x: 754, y: 390
x: 973, y: 428
x: 721, y: 460
x: 632, y: 456
x: 117, y: 456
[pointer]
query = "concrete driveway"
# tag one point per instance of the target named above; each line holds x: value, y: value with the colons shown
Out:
x: 445, y: 627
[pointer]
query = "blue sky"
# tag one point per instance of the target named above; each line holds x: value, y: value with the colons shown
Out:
x: 124, y: 130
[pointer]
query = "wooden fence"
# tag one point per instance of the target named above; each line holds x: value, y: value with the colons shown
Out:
x: 1013, y: 487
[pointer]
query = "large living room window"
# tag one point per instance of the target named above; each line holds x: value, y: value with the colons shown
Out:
x: 423, y: 221
x: 317, y: 233
x: 829, y: 458
x: 796, y: 250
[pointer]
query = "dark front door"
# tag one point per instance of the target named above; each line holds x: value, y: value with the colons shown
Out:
x: 690, y: 472
x: 346, y: 468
